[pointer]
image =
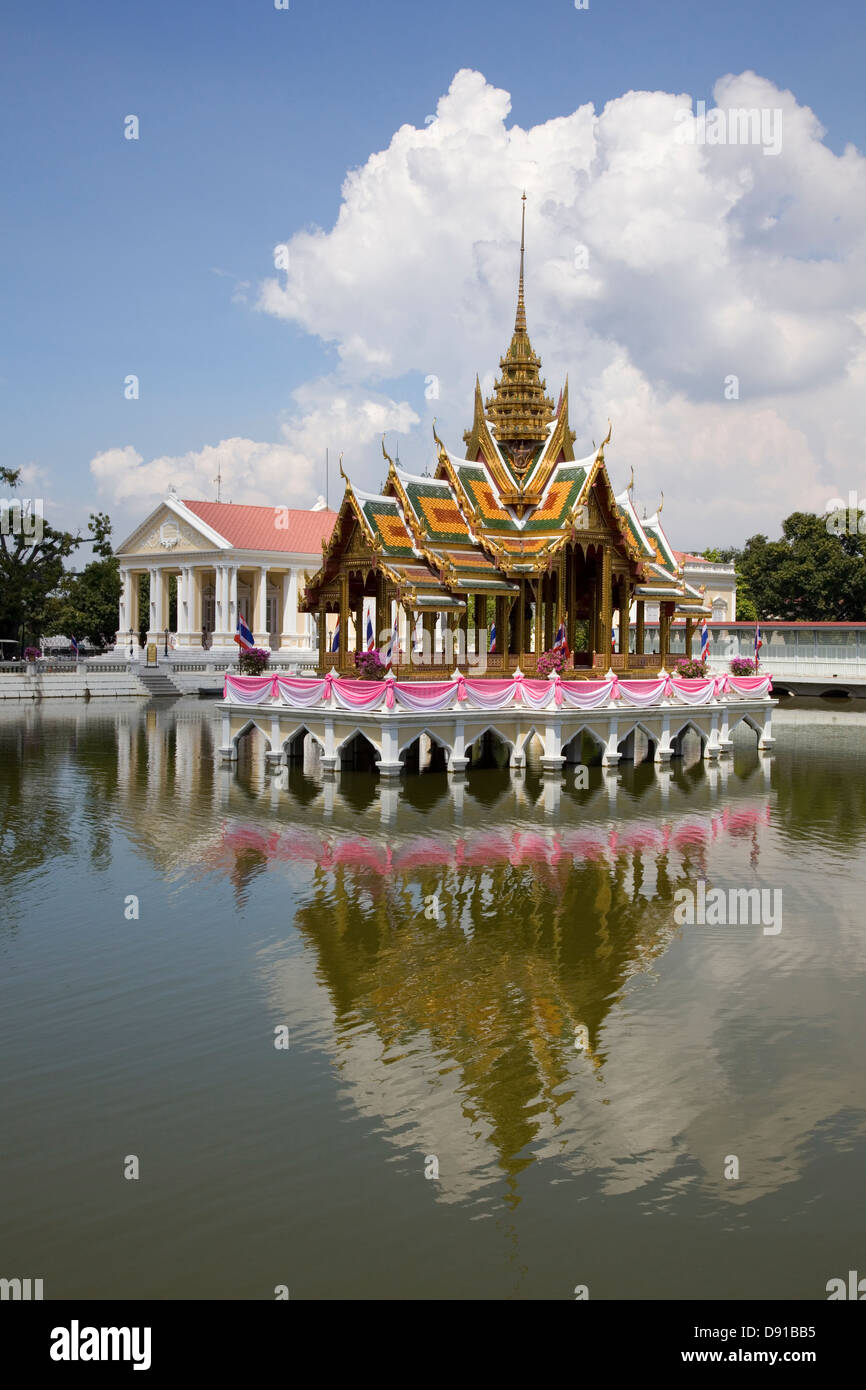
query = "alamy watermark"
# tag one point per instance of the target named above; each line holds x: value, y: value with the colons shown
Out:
x: 736, y: 907
x: 846, y: 521
x: 738, y: 125
x: 22, y: 516
x: 77, y: 1343
x: 21, y: 1290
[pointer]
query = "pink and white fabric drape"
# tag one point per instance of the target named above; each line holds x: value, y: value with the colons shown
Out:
x: 746, y: 685
x: 425, y: 695
x: 694, y: 692
x: 248, y: 690
x: 300, y: 693
x: 587, y: 694
x: 483, y: 694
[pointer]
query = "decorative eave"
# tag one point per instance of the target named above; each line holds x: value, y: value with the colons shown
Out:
x: 440, y: 565
x: 330, y: 548
x: 480, y: 438
x: 560, y: 440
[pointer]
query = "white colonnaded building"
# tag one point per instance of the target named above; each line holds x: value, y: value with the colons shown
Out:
x: 227, y: 560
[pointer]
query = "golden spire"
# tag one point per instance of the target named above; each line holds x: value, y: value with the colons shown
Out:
x: 519, y: 410
x: 520, y: 316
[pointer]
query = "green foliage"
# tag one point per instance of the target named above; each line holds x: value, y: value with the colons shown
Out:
x: 85, y: 603
x: 746, y: 610
x: 809, y: 575
x: 30, y: 570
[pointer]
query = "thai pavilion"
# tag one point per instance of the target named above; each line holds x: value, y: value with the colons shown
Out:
x: 514, y: 534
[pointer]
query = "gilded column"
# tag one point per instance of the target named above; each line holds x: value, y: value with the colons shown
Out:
x: 606, y: 605
x: 344, y: 621
x: 323, y: 637
x: 665, y: 610
x: 639, y: 638
x: 383, y: 613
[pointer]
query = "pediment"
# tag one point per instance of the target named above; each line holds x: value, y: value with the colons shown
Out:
x: 163, y: 533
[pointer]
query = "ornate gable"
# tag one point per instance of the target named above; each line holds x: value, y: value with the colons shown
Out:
x: 165, y: 533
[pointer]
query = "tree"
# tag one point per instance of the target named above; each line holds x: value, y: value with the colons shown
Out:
x: 809, y: 575
x: 726, y: 555
x: 31, y: 566
x: 85, y: 603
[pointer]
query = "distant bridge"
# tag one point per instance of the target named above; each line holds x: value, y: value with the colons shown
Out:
x: 803, y: 658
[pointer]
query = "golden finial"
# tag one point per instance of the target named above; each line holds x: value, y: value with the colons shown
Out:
x: 342, y: 474
x: 386, y: 455
x: 606, y: 439
x: 520, y: 318
x: 660, y: 505
x: 630, y: 487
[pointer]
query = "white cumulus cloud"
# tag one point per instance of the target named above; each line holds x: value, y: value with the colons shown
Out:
x: 657, y: 268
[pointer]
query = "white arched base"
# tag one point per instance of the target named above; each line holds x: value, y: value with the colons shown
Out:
x: 562, y: 733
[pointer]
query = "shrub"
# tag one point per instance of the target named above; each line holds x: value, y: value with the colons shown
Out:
x: 253, y: 662
x: 369, y: 666
x: 554, y: 661
x: 691, y: 668
x: 742, y: 666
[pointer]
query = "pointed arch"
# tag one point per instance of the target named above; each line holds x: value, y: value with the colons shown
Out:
x: 433, y: 737
x: 293, y: 744
x: 744, y: 718
x: 247, y: 729
x: 572, y: 747
x: 359, y: 733
x: 652, y: 743
x: 678, y: 738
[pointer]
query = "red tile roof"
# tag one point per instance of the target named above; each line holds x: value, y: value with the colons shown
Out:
x: 683, y: 557
x: 255, y: 528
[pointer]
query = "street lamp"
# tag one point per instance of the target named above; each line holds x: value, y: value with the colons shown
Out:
x: 166, y: 641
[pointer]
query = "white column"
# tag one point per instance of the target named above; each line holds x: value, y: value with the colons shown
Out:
x: 124, y: 607
x: 219, y: 618
x: 233, y: 600
x: 156, y: 602
x: 183, y: 601
x: 261, y: 627
x: 288, y: 631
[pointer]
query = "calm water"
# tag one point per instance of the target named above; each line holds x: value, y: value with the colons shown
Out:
x: 434, y: 952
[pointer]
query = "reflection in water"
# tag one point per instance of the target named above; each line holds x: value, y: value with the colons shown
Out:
x: 496, y: 948
x: 484, y: 969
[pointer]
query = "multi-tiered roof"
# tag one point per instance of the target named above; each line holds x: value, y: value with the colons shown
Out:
x: 504, y: 509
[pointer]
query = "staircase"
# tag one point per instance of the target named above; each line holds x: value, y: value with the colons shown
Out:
x: 158, y: 684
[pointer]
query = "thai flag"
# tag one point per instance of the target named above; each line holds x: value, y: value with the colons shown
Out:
x: 759, y: 642
x: 335, y: 644
x: 392, y: 643
x: 243, y: 636
x: 74, y: 641
x: 371, y: 639
x: 561, y: 643
x: 492, y: 647
x: 705, y: 640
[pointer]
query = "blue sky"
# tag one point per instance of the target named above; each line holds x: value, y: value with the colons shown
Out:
x: 126, y: 256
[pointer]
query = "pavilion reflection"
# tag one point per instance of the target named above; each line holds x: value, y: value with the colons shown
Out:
x: 483, y: 955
